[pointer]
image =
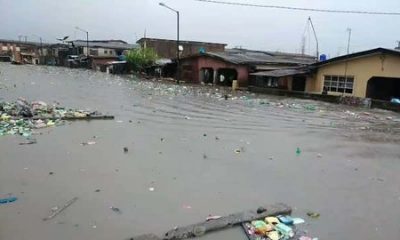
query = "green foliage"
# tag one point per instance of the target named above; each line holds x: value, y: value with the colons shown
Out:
x: 141, y: 58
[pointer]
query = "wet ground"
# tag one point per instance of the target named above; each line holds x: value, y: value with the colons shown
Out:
x: 202, y: 154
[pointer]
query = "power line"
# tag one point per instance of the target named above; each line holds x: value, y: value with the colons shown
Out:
x: 299, y: 8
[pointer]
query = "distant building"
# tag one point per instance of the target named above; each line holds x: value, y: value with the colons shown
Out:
x: 221, y: 68
x: 22, y: 51
x: 101, y: 52
x: 167, y: 48
x: 101, y: 48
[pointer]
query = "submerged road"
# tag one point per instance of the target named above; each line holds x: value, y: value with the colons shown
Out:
x: 199, y: 153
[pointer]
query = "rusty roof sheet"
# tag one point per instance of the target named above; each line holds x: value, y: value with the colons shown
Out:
x: 282, y: 72
x: 243, y: 56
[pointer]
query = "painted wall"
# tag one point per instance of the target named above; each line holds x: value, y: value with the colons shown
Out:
x: 363, y: 69
x: 167, y: 48
x: 196, y: 64
x: 101, y: 52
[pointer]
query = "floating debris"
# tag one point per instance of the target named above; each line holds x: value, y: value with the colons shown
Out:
x: 8, y: 199
x: 212, y: 217
x: 313, y: 214
x: 274, y: 228
x: 298, y: 151
x: 88, y: 143
x: 21, y: 117
x: 115, y: 209
x: 59, y: 210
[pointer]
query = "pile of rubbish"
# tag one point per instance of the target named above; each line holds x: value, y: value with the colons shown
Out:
x: 275, y: 228
x: 21, y: 117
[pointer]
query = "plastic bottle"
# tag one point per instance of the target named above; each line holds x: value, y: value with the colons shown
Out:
x: 298, y: 151
x: 284, y: 230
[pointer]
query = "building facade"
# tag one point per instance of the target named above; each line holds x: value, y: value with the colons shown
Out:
x: 101, y: 48
x: 371, y: 74
x: 167, y: 48
x: 221, y: 68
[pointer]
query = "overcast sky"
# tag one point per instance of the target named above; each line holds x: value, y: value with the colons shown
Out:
x: 253, y: 28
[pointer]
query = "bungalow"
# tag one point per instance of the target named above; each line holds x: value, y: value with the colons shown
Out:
x: 372, y: 74
x: 222, y: 68
x: 369, y: 74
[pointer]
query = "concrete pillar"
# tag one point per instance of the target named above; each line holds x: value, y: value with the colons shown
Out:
x: 215, y: 77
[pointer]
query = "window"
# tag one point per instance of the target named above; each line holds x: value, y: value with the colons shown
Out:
x: 340, y: 84
x: 105, y: 52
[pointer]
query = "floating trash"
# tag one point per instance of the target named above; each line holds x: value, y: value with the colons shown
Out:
x: 21, y: 117
x: 275, y: 228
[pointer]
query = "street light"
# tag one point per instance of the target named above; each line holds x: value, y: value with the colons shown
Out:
x: 41, y: 43
x: 87, y: 40
x: 177, y: 41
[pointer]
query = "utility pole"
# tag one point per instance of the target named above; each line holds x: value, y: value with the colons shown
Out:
x: 177, y: 42
x: 87, y: 40
x: 346, y: 63
x: 398, y: 46
x: 348, y: 41
x: 315, y: 36
x: 303, y: 45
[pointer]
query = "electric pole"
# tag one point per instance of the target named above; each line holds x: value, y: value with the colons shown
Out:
x: 315, y: 36
x: 348, y: 40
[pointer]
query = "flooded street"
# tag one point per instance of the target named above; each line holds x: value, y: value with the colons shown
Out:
x: 200, y: 153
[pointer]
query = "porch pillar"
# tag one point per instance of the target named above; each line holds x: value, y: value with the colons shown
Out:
x: 215, y: 77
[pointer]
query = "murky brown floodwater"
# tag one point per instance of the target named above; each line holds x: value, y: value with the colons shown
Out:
x: 354, y: 185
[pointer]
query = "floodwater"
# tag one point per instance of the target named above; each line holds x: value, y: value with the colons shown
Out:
x: 348, y: 169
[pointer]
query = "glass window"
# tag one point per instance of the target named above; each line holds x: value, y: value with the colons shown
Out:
x: 341, y: 84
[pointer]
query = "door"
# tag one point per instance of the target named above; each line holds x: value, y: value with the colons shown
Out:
x: 299, y: 83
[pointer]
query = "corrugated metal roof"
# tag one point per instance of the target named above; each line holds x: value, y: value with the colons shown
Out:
x: 105, y: 44
x: 180, y: 41
x: 359, y: 54
x: 281, y: 72
x: 243, y: 56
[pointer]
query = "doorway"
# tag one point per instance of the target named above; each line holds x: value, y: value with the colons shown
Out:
x: 299, y: 83
x: 207, y: 75
x: 226, y: 76
x: 383, y: 88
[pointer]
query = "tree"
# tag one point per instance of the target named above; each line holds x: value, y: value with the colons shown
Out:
x: 141, y: 58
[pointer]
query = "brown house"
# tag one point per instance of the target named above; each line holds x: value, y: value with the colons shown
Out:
x: 221, y: 68
x: 167, y: 48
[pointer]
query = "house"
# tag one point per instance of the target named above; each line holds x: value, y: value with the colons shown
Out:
x: 22, y: 51
x: 101, y: 48
x: 372, y: 74
x: 222, y: 68
x: 167, y: 48
x: 369, y: 74
x: 101, y: 52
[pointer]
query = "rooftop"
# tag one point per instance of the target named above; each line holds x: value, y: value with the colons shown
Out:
x: 252, y: 57
x: 282, y: 72
x: 180, y: 41
x: 30, y: 43
x: 112, y: 44
x: 360, y: 54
